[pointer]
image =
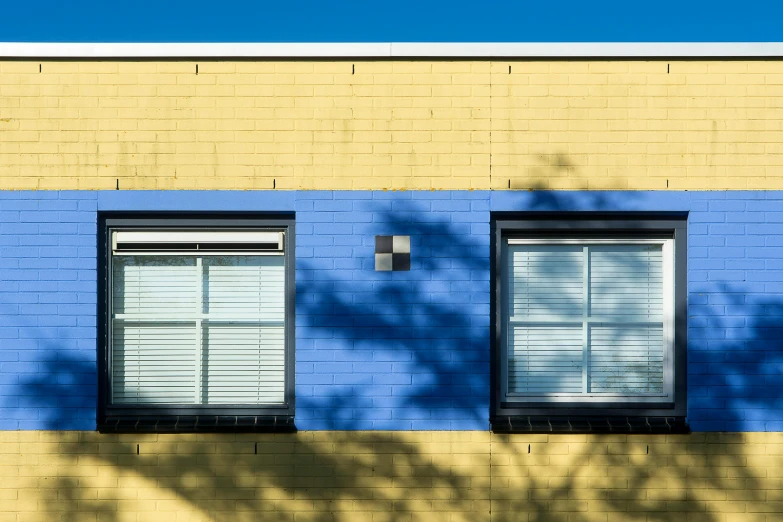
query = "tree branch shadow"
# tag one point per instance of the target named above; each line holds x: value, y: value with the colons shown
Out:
x: 410, y: 323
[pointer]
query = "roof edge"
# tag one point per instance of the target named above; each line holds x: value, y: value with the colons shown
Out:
x: 484, y: 50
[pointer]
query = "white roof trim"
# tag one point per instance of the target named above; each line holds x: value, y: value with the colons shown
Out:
x: 589, y: 50
x: 392, y: 50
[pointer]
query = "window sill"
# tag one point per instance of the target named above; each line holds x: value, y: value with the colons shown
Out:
x: 591, y: 424
x: 198, y: 424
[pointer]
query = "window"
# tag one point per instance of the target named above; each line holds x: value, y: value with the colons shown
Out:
x: 590, y: 323
x: 198, y: 328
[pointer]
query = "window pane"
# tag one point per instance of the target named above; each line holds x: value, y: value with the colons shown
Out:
x: 626, y: 281
x: 155, y: 285
x: 245, y: 287
x: 243, y: 364
x: 545, y: 359
x: 545, y: 281
x: 153, y: 363
x: 626, y: 359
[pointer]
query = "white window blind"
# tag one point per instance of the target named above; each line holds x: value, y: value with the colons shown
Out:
x: 587, y: 319
x: 192, y: 329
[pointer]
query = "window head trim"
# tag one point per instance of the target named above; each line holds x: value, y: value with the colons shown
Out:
x: 204, y: 242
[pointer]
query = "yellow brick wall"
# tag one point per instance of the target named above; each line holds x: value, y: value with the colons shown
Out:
x: 391, y: 124
x: 389, y: 476
x: 637, y: 125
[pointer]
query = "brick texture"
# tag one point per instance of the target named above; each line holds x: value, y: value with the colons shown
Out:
x: 391, y: 125
x: 391, y: 350
x: 389, y: 476
x: 48, y: 296
x: 636, y: 125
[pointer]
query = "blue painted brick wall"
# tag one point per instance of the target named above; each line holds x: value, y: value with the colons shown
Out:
x: 391, y: 350
x: 48, y: 298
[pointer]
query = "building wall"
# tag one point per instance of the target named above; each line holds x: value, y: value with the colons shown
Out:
x: 392, y: 371
x: 389, y: 476
x: 400, y: 350
x: 391, y: 125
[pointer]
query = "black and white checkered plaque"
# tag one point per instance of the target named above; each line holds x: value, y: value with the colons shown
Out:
x: 392, y: 253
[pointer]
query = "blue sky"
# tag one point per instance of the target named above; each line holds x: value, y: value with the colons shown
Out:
x: 399, y: 21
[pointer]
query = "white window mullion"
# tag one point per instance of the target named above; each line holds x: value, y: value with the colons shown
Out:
x: 585, y: 324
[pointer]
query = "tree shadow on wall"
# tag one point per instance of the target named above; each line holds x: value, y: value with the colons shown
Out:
x: 405, y: 475
x: 701, y: 476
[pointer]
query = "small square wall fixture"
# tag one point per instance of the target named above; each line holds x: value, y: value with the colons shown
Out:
x: 392, y: 253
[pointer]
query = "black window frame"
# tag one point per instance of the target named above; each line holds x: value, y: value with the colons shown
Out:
x: 573, y: 416
x: 192, y: 418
